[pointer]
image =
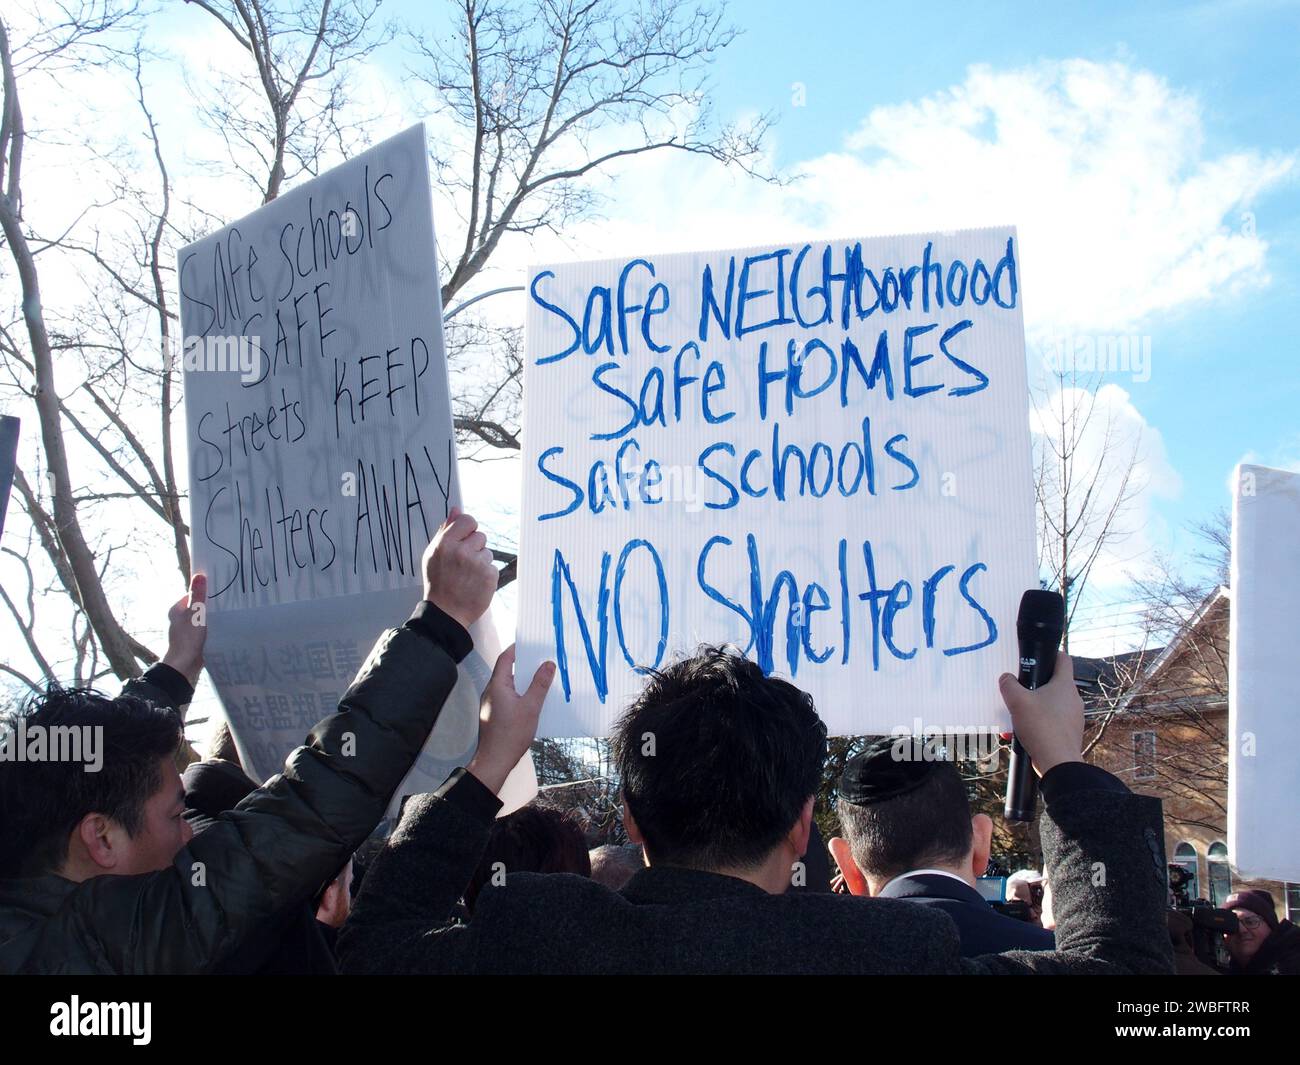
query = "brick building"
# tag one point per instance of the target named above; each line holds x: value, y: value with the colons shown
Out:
x: 1159, y: 721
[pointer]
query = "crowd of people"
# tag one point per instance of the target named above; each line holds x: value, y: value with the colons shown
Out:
x: 136, y: 868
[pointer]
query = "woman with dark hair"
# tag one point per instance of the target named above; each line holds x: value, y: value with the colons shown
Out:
x: 533, y: 839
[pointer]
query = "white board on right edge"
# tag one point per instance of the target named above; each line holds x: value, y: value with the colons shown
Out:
x: 1264, y: 734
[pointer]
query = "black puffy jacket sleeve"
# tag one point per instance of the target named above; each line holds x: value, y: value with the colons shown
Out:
x: 277, y: 846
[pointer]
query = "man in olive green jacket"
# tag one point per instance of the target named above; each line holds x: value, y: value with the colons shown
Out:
x: 99, y: 872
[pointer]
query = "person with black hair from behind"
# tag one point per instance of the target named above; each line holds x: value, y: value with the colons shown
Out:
x: 101, y: 873
x: 909, y: 834
x: 719, y: 767
x: 533, y: 839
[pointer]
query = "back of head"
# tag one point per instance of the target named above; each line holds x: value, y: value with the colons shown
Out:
x: 222, y: 745
x: 533, y: 839
x: 212, y: 787
x: 717, y: 761
x: 95, y: 755
x: 927, y: 826
x: 1023, y: 876
x: 613, y: 866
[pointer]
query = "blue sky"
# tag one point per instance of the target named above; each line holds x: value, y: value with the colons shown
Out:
x: 1236, y: 387
x: 1239, y: 58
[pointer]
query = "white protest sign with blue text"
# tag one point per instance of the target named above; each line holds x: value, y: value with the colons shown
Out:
x: 322, y: 455
x: 817, y: 452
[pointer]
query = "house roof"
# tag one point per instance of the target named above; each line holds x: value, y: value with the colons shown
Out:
x: 1098, y: 676
x: 1095, y: 677
x: 1177, y: 644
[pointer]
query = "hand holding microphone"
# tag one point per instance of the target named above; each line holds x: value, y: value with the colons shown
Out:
x: 1046, y: 710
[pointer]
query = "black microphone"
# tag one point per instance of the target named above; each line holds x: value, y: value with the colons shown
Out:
x: 1039, y: 628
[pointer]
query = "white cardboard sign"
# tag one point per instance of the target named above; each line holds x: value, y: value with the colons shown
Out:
x: 322, y: 454
x: 818, y: 452
x: 1264, y: 728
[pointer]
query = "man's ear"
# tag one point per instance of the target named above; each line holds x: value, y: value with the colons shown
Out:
x: 981, y: 843
x: 798, y: 837
x: 630, y: 825
x: 853, y: 878
x: 100, y: 839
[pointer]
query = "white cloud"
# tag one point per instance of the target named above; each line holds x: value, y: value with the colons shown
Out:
x: 1103, y: 168
x: 1116, y: 435
x: 1113, y: 435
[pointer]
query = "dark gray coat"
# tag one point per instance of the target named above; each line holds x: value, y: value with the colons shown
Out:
x: 1105, y: 857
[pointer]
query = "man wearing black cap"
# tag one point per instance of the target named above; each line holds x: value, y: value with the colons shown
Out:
x: 909, y: 834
